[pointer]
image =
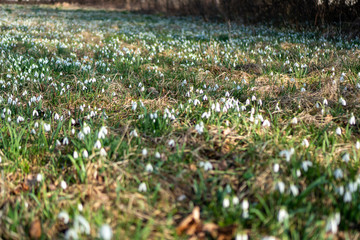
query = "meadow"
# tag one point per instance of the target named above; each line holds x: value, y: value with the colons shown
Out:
x: 117, y: 125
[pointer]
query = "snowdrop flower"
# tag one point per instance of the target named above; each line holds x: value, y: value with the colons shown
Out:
x: 325, y: 102
x: 357, y: 145
x: 149, y: 168
x: 103, y: 152
x: 338, y: 131
x: 39, y: 177
x: 85, y: 154
x: 340, y: 190
x: 287, y: 154
x: 235, y: 200
x: 105, y: 232
x: 171, y: 143
x: 133, y: 106
x: 47, y: 127
x: 226, y: 203
x: 75, y: 155
x: 86, y: 130
x: 269, y: 238
x: 306, y: 164
x: 206, y: 165
x: 71, y: 234
x: 333, y: 223
x: 65, y: 141
x: 134, y: 133
x: 305, y: 143
x: 144, y: 152
x: 276, y: 167
x: 102, y: 133
x: 63, y: 185
x: 81, y: 225
x: 347, y: 197
x: 352, y: 120
x: 97, y: 144
x: 200, y: 128
x: 346, y: 157
x: 243, y: 236
x: 283, y: 215
x: 245, y: 205
x: 294, y: 190
x: 342, y: 101
x: 80, y: 207
x: 280, y: 186
x: 266, y: 123
x: 157, y: 155
x: 338, y: 173
x: 294, y: 121
x: 142, y: 187
x: 64, y: 216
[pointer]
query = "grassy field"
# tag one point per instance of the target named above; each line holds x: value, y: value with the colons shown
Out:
x: 132, y: 126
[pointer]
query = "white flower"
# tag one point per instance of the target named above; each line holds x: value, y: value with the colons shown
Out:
x: 282, y: 215
x: 347, y: 197
x: 332, y: 223
x: 245, y: 205
x: 47, y: 127
x: 206, y: 165
x: 243, y: 236
x: 346, y: 157
x: 294, y: 190
x: 294, y: 121
x: 80, y: 207
x: 105, y: 232
x: 86, y: 130
x: 65, y: 141
x: 305, y: 143
x: 134, y: 133
x: 144, y: 152
x: 235, y: 200
x: 134, y: 105
x: 71, y: 234
x: 63, y: 185
x: 64, y: 216
x: 280, y: 186
x: 85, y: 154
x: 287, y: 154
x: 149, y: 168
x: 352, y: 120
x: 325, y: 102
x: 81, y: 225
x: 306, y: 164
x: 342, y: 101
x: 97, y: 144
x: 200, y: 128
x: 142, y: 187
x: 171, y: 143
x: 338, y: 173
x: 266, y: 123
x: 357, y: 145
x: 75, y: 155
x: 39, y: 177
x: 103, y: 152
x: 226, y: 203
x: 157, y: 155
x: 276, y: 167
x: 338, y: 131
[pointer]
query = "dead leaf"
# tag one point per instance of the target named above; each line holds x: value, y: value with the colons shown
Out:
x: 195, y: 229
x: 35, y: 229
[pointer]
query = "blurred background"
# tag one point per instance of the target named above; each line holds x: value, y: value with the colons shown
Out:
x: 342, y: 13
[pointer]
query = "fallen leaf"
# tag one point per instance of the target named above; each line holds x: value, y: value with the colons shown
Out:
x: 35, y: 229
